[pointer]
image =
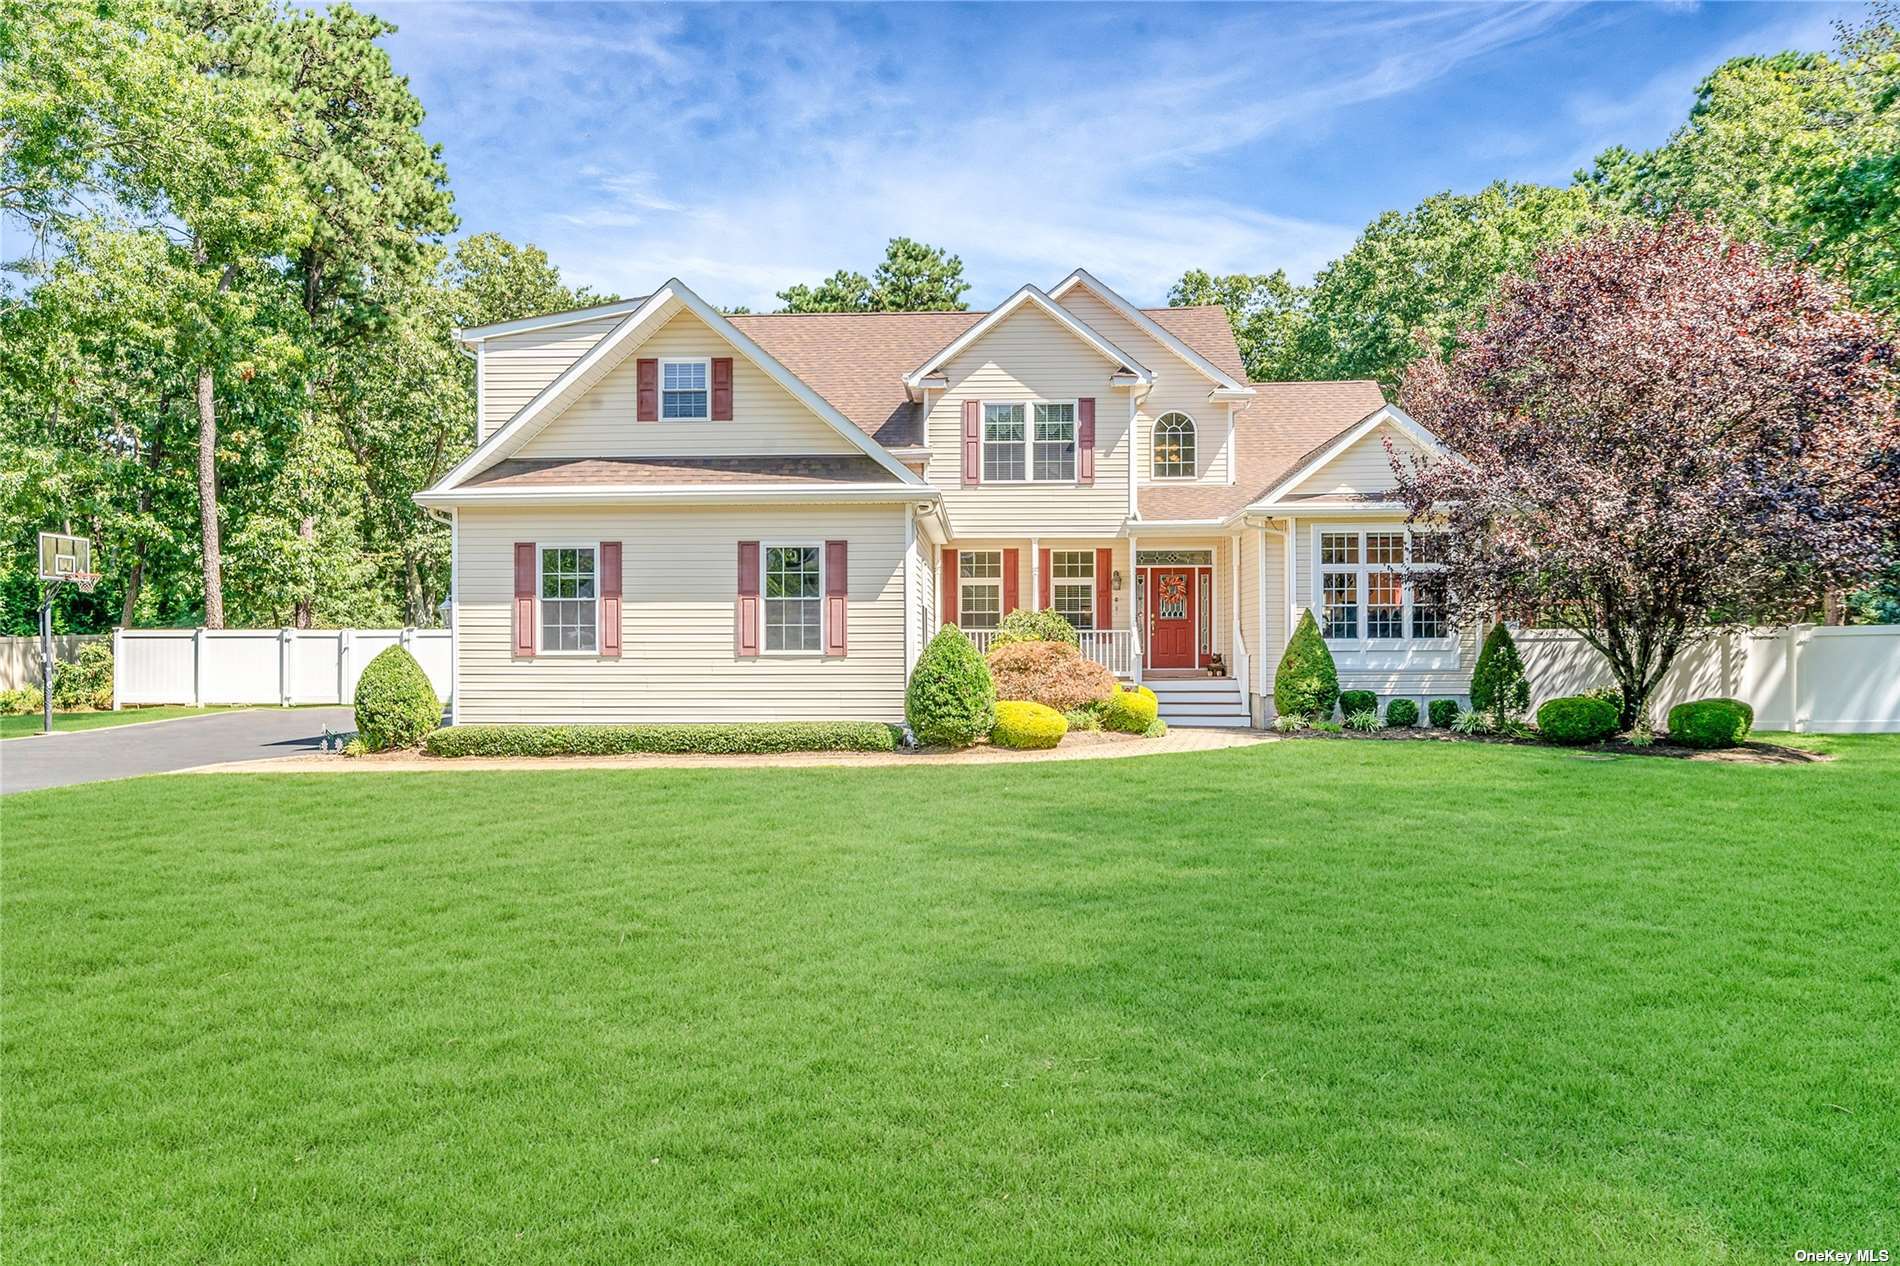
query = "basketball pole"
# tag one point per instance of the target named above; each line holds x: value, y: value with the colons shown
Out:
x: 46, y: 659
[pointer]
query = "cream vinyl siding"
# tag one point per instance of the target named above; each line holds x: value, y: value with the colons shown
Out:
x: 515, y: 367
x: 1029, y: 357
x: 1364, y: 467
x: 766, y: 418
x: 680, y: 580
x: 1178, y: 387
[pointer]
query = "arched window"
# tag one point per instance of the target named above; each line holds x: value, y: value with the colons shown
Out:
x: 1174, y: 446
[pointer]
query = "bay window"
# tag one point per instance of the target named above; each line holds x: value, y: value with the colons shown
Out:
x: 1371, y: 589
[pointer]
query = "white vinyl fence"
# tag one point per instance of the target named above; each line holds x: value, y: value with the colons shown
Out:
x: 20, y: 656
x: 1804, y: 677
x: 280, y: 666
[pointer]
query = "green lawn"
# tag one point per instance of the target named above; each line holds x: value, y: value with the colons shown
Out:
x: 1301, y: 1002
x: 22, y: 726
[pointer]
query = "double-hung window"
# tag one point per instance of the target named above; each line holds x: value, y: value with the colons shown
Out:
x: 1029, y: 442
x: 684, y: 396
x: 1072, y: 585
x: 794, y: 598
x: 1372, y: 588
x: 570, y: 599
x: 979, y: 588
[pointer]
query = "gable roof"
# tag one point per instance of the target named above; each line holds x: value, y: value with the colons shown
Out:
x: 1155, y: 330
x: 1034, y: 296
x: 615, y: 346
x: 1316, y: 458
x: 1275, y: 432
x: 547, y: 320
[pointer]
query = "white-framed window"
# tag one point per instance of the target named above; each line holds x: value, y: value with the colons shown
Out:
x: 569, y: 589
x: 979, y: 588
x: 1365, y: 593
x: 685, y: 390
x: 1029, y: 441
x: 1072, y: 585
x: 794, y: 599
x: 1174, y: 446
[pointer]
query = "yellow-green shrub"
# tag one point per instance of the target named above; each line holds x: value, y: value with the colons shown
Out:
x: 1130, y: 711
x: 1027, y: 726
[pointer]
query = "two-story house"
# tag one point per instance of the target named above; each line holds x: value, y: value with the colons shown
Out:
x: 674, y: 515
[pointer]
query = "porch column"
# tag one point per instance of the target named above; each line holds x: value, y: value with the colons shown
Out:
x: 1035, y: 575
x: 1134, y: 605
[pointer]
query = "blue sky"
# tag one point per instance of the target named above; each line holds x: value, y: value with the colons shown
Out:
x: 742, y: 148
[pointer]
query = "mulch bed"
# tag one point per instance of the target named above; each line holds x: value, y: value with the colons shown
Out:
x: 1751, y: 753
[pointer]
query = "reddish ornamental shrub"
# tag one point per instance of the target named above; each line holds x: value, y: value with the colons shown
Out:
x: 1053, y: 674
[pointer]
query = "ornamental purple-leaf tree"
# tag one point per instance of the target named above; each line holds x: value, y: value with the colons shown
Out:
x: 1656, y: 432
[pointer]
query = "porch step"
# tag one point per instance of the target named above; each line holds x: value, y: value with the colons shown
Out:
x: 1200, y: 701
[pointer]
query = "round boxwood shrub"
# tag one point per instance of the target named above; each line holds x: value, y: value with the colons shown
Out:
x: 1711, y: 723
x: 1050, y: 673
x: 1355, y: 701
x: 1576, y: 719
x: 1444, y: 713
x: 1307, y: 681
x: 951, y: 701
x: 1499, y: 688
x: 1027, y: 726
x: 1401, y: 713
x: 395, y: 704
x: 1034, y: 626
x: 1130, y: 711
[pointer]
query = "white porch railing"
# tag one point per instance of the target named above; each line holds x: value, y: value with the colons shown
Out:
x: 1113, y: 649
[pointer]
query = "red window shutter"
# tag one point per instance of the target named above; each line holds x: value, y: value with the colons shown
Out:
x: 647, y: 390
x: 1042, y: 580
x: 1104, y: 589
x: 837, y: 596
x: 610, y: 599
x: 722, y: 389
x: 524, y: 597
x: 1085, y: 440
x: 1010, y: 591
x: 746, y: 619
x: 949, y: 615
x: 972, y: 441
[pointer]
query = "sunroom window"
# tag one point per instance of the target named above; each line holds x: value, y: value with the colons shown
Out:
x: 1370, y: 589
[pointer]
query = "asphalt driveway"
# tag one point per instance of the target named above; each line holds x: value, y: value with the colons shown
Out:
x: 58, y: 760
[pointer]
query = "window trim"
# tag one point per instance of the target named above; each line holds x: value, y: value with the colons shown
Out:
x: 995, y: 582
x: 1154, y: 433
x: 540, y: 626
x: 1072, y: 583
x: 705, y: 363
x: 1362, y: 571
x: 765, y: 637
x: 1028, y: 405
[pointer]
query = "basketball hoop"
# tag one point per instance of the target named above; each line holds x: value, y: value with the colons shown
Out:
x: 85, y: 580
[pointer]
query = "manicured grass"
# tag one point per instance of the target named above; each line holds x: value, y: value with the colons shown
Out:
x: 1301, y: 1002
x: 22, y: 726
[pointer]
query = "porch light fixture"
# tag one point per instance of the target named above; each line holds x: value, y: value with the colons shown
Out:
x: 1115, y: 580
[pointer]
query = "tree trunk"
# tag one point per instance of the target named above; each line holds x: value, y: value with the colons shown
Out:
x: 305, y: 613
x: 1834, y: 607
x: 208, y: 498
x: 415, y: 598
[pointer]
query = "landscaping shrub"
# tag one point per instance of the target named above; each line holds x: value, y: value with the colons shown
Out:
x: 1085, y: 718
x: 1444, y: 713
x: 1473, y: 722
x: 1576, y: 719
x: 1401, y: 714
x: 1288, y: 723
x: 1307, y: 682
x: 951, y: 700
x: 86, y: 682
x: 1499, y: 688
x: 1130, y: 711
x: 686, y: 739
x: 1711, y: 723
x: 1365, y: 720
x: 395, y: 704
x: 1351, y: 701
x: 1053, y: 674
x: 1027, y: 726
x: 22, y: 702
x: 1034, y: 626
x: 1157, y: 729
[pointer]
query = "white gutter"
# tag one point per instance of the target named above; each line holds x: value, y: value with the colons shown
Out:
x: 678, y: 494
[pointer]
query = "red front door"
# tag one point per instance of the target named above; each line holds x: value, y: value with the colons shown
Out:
x: 1171, y: 618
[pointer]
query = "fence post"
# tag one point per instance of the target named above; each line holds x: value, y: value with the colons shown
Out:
x: 284, y: 639
x: 118, y: 662
x: 343, y: 665
x: 407, y: 638
x: 198, y: 668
